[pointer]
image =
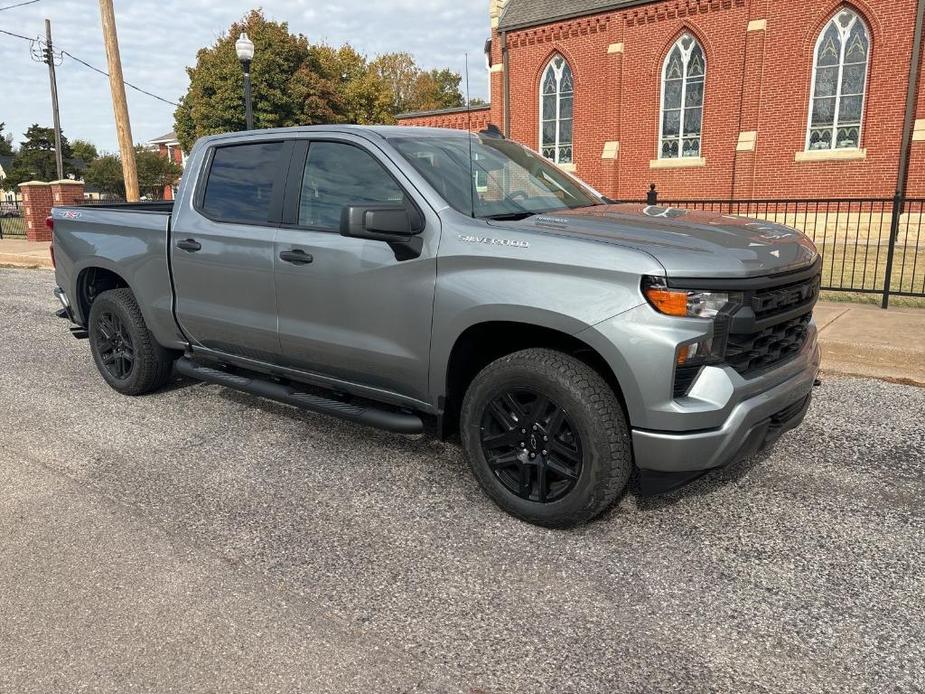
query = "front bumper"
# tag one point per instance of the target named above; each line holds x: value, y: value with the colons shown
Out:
x: 753, y: 424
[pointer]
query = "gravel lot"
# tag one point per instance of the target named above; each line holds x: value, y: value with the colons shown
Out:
x: 200, y: 539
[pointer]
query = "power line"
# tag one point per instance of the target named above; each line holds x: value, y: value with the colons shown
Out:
x: 19, y: 4
x: 95, y: 69
x: 18, y: 36
x: 127, y: 84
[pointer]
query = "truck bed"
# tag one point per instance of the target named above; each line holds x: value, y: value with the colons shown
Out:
x: 127, y: 239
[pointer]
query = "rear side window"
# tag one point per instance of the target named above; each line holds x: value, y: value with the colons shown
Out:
x: 337, y: 175
x: 240, y: 183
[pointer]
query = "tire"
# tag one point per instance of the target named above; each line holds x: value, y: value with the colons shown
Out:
x: 118, y: 332
x: 587, y: 425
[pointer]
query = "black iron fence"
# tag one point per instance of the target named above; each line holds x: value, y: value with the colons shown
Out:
x: 12, y: 224
x: 871, y: 246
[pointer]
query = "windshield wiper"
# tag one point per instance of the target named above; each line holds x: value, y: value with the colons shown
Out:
x: 509, y: 216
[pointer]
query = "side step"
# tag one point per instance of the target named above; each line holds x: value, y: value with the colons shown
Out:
x: 369, y: 415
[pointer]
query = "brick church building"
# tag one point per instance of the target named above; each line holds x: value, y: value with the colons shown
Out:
x: 708, y: 98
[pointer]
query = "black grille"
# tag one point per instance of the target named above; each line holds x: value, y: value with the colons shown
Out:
x: 756, y: 351
x: 777, y: 300
x: 772, y: 325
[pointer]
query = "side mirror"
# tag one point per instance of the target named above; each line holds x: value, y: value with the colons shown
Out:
x: 379, y: 222
x: 396, y: 225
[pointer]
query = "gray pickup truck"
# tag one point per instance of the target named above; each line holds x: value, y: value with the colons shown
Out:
x: 419, y: 279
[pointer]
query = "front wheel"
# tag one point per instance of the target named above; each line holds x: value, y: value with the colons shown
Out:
x: 546, y: 437
x: 125, y: 352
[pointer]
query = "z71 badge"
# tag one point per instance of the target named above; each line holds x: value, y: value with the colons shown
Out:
x: 489, y: 241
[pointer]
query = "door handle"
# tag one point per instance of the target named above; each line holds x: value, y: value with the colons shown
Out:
x: 296, y: 257
x: 190, y: 245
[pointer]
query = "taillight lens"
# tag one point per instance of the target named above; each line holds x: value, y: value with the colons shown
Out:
x: 50, y: 223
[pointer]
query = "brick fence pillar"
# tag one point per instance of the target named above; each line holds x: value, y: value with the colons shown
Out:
x: 67, y: 192
x: 36, y: 204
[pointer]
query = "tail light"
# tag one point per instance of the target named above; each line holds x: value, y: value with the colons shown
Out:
x: 50, y: 223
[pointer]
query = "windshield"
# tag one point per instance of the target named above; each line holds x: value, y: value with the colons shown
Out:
x: 507, y: 180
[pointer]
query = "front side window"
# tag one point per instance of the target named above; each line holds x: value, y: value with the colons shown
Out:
x: 839, y: 83
x: 556, y: 98
x: 240, y: 183
x: 683, y: 76
x: 337, y: 175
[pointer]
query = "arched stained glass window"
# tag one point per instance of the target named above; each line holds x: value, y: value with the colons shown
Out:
x: 839, y: 82
x: 683, y: 77
x: 556, y: 97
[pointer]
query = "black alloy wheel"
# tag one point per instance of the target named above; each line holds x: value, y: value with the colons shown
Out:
x: 531, y: 445
x: 115, y: 346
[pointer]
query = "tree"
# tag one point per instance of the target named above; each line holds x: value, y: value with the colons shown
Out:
x: 85, y: 151
x: 437, y: 89
x: 6, y: 142
x: 289, y: 87
x: 299, y: 83
x: 364, y: 97
x: 154, y: 174
x: 105, y: 174
x: 35, y: 160
x: 399, y: 72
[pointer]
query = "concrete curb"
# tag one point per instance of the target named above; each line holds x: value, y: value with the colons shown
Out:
x: 25, y: 261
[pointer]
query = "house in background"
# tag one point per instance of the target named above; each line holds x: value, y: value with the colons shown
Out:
x: 167, y: 145
x: 6, y: 165
x: 709, y: 98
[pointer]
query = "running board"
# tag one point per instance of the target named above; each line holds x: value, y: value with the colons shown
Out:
x: 380, y: 418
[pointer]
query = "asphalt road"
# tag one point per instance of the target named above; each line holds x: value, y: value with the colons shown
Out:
x: 202, y: 540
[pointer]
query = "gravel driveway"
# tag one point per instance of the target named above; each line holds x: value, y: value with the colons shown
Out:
x: 200, y: 539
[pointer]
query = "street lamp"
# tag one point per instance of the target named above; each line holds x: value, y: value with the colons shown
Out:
x: 245, y: 50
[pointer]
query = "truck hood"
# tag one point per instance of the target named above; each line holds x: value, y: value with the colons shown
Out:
x: 686, y: 243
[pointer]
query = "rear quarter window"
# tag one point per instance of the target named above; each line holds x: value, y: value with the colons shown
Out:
x: 239, y: 187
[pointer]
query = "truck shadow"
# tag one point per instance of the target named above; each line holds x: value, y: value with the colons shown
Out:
x: 710, y: 482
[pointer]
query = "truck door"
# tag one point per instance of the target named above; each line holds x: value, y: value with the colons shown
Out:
x: 349, y: 308
x: 222, y: 250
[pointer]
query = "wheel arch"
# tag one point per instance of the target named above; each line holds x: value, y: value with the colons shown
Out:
x: 93, y: 280
x: 484, y: 342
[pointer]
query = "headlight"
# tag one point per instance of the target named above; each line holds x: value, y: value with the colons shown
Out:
x: 685, y: 302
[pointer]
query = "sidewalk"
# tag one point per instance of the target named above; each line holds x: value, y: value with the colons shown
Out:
x: 863, y: 340
x: 22, y: 253
x: 857, y: 339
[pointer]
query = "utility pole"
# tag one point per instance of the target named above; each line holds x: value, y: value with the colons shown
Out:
x: 119, y: 104
x: 49, y: 55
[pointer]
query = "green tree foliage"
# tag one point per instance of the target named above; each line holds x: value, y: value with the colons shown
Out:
x: 6, y: 142
x: 295, y: 82
x: 105, y: 174
x: 85, y: 151
x: 437, y: 89
x: 154, y: 174
x: 35, y: 159
x: 288, y: 86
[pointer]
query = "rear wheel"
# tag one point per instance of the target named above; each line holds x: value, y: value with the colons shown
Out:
x: 125, y: 351
x: 546, y: 437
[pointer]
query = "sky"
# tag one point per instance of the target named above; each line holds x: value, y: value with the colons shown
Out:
x: 159, y: 39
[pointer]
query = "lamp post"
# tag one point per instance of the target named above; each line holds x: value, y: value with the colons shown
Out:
x: 245, y: 50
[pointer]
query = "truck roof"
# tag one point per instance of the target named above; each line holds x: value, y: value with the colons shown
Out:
x: 383, y: 131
